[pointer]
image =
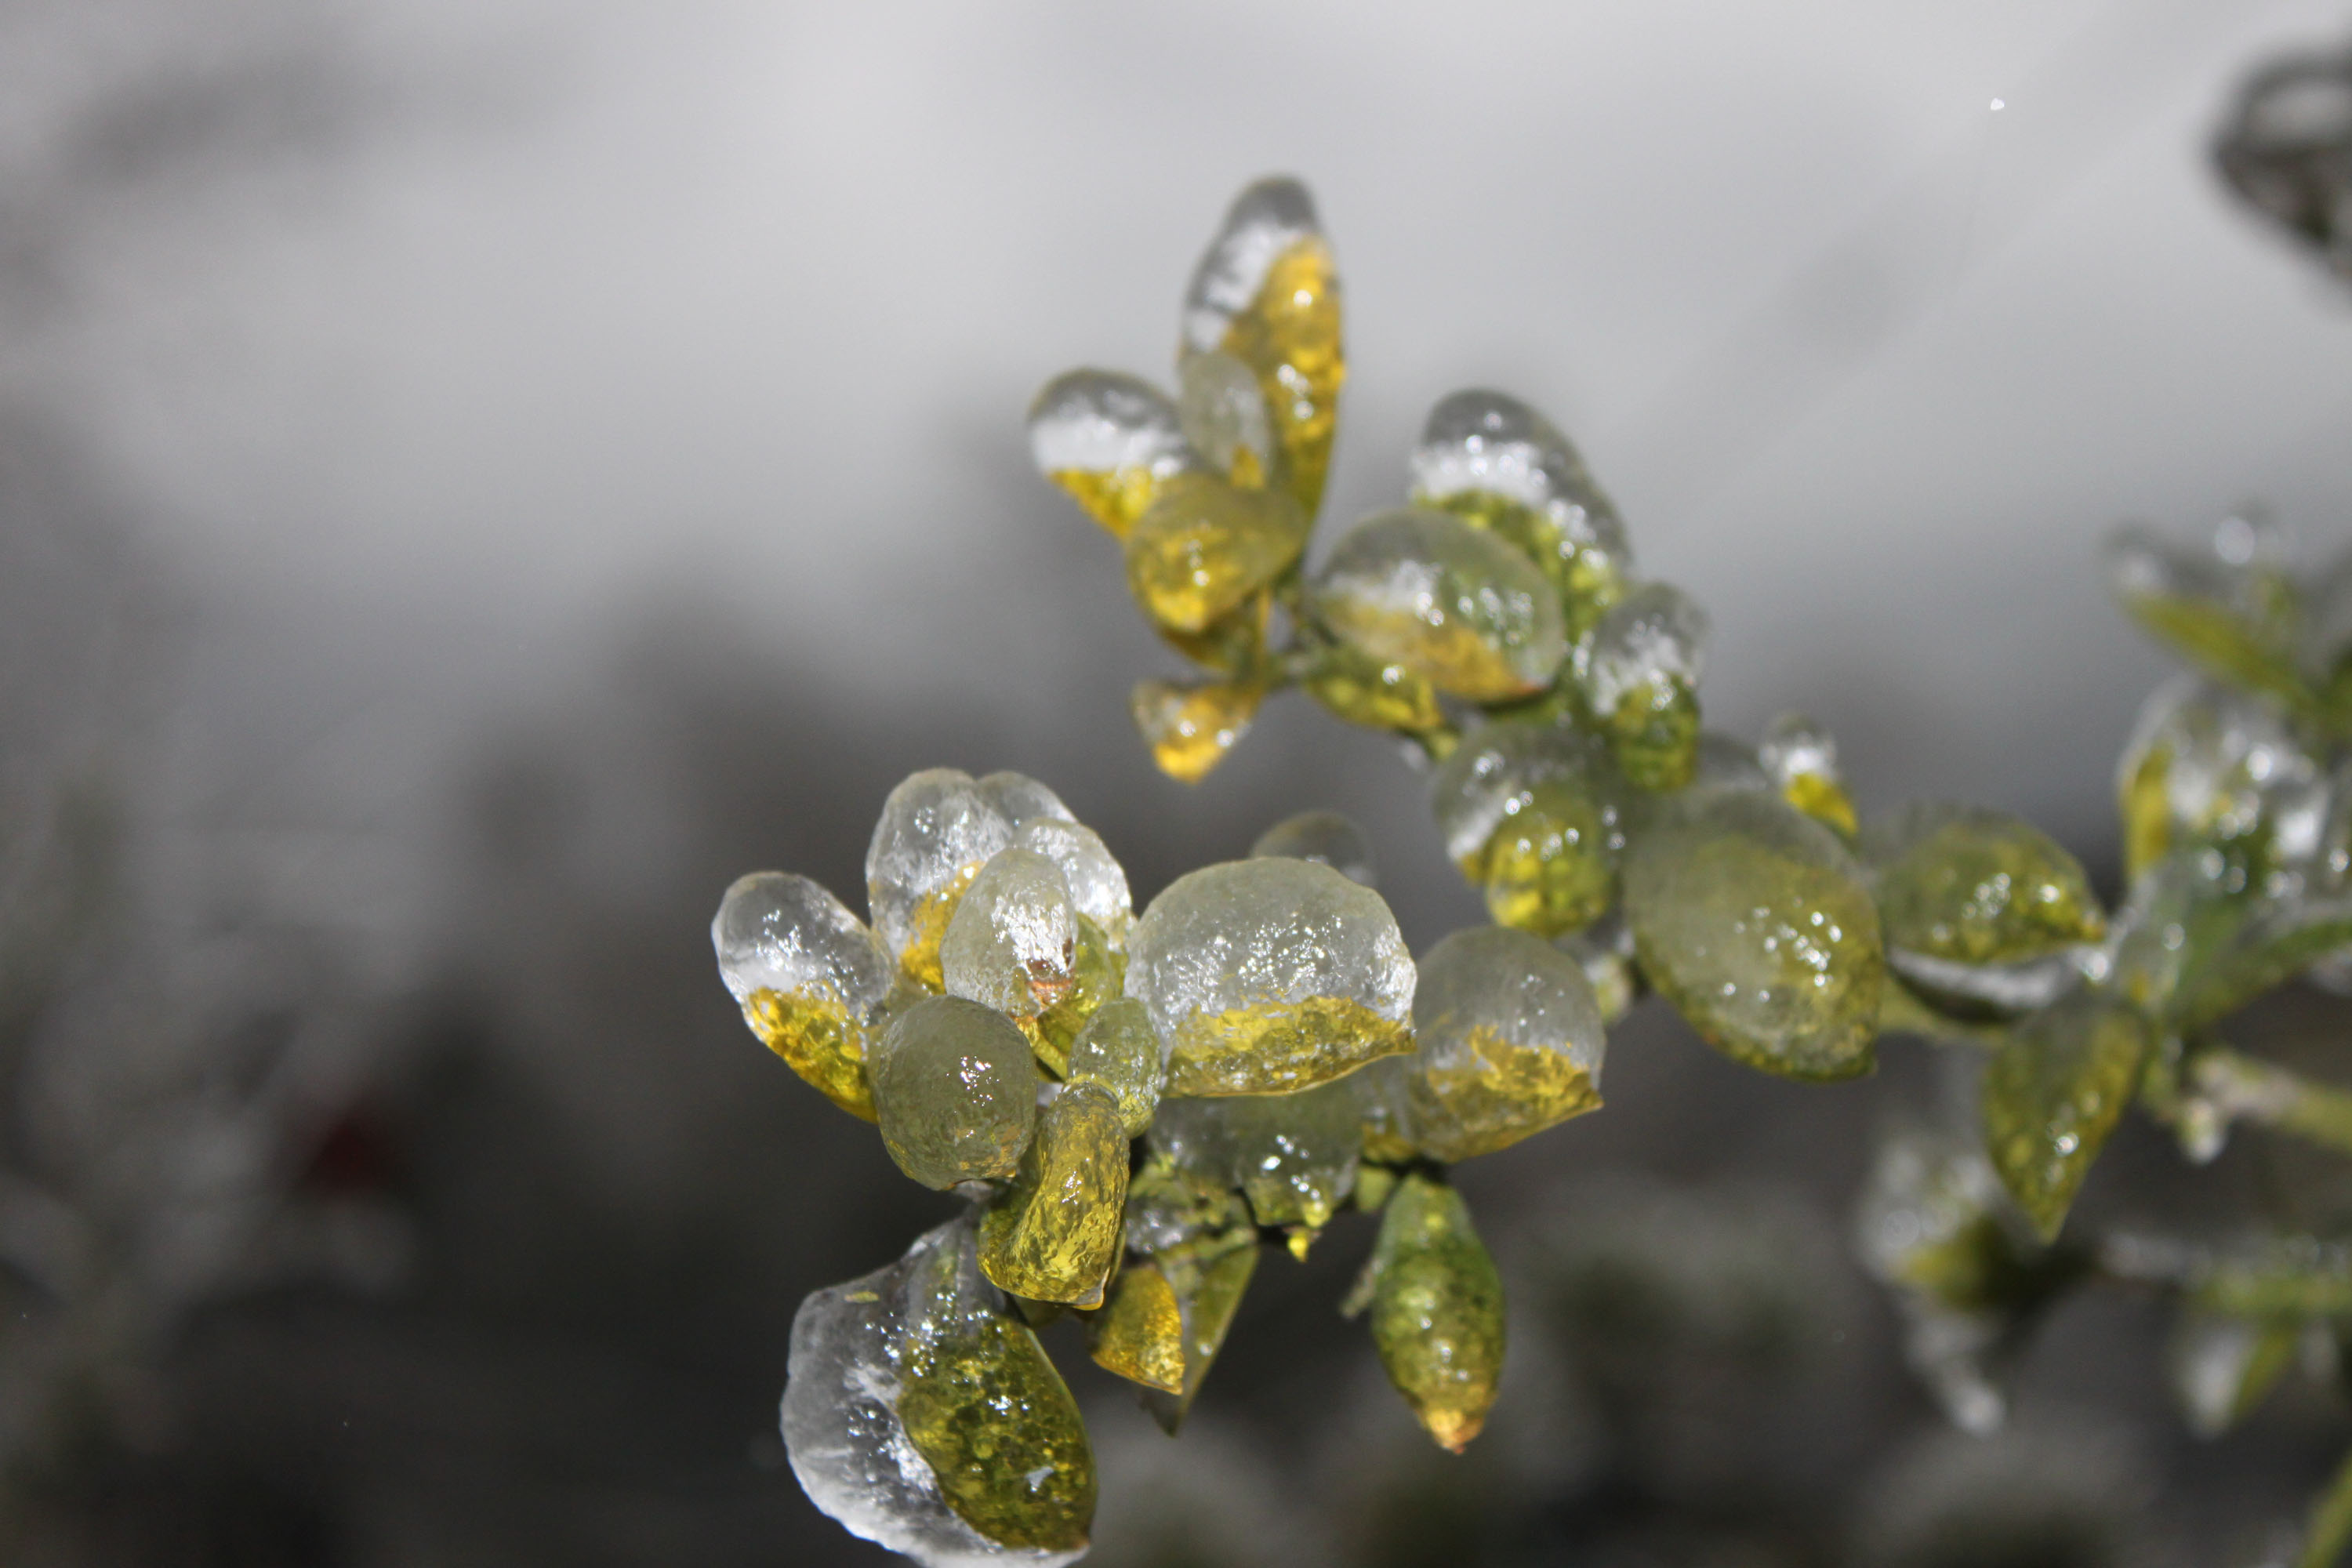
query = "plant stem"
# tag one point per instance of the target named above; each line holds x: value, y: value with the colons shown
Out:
x: 2324, y: 1539
x: 2242, y: 1087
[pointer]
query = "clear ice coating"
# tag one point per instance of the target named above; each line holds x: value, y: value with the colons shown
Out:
x: 1110, y: 440
x: 1436, y: 1309
x: 1266, y: 976
x: 1930, y: 1223
x: 2053, y: 1094
x: 1097, y: 881
x: 1324, y: 837
x: 1800, y: 756
x: 1457, y: 605
x: 2207, y: 766
x: 1510, y: 1042
x: 1494, y: 461
x: 810, y: 978
x: 1266, y: 293
x: 1205, y: 546
x: 1118, y: 1052
x: 1752, y: 920
x: 1533, y: 813
x: 1641, y: 679
x: 858, y: 1349
x: 1292, y: 1156
x: 937, y: 830
x: 1191, y: 726
x: 1964, y: 885
x: 955, y: 1091
x: 2228, y: 606
x: 1225, y: 418
x: 1012, y: 941
x: 1053, y: 1235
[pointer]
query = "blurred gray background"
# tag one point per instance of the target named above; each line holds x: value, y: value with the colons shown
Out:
x: 474, y: 477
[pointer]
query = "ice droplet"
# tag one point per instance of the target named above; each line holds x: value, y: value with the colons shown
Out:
x: 859, y: 1351
x: 1324, y: 837
x: 1014, y: 938
x: 955, y: 1089
x: 1510, y: 1042
x: 1752, y: 920
x: 1456, y: 605
x: 1265, y: 976
x: 1110, y: 440
x: 810, y: 978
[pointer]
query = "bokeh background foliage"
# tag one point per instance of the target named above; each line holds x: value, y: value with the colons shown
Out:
x: 473, y: 479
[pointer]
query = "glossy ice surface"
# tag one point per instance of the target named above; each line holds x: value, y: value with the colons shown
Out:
x: 1510, y: 1042
x: 1437, y: 1310
x: 1753, y: 920
x: 1012, y: 941
x: 1054, y: 1234
x: 871, y: 1411
x: 810, y: 978
x: 1456, y: 604
x: 955, y: 1089
x: 1324, y: 837
x: 1263, y: 976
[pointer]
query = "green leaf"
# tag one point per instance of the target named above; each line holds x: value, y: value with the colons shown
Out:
x: 2052, y: 1096
x: 2269, y: 946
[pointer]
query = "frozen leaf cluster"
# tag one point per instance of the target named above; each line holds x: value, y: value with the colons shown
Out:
x: 1131, y: 1107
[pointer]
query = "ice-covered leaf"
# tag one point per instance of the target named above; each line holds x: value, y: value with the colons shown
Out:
x: 1509, y: 1041
x: 1053, y: 1235
x: 1500, y: 465
x: 1267, y: 976
x: 2053, y: 1094
x: 1191, y: 727
x: 1642, y: 680
x: 955, y: 1089
x: 1266, y: 293
x: 1205, y: 546
x: 1451, y: 603
x: 1751, y: 918
x: 1110, y: 440
x: 810, y: 978
x: 1437, y: 1310
x: 897, y: 1379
